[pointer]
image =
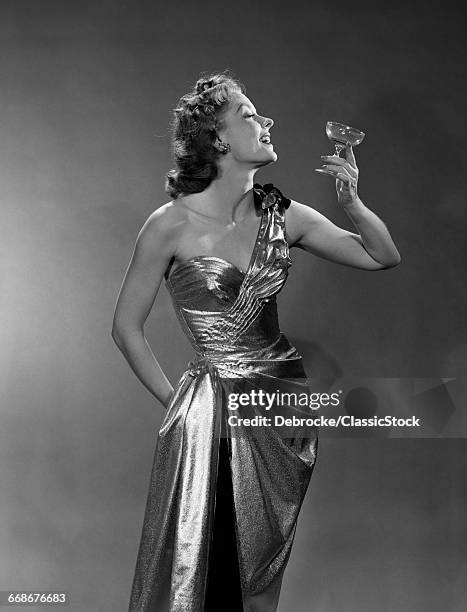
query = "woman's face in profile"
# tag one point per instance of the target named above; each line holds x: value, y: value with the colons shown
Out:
x: 247, y: 133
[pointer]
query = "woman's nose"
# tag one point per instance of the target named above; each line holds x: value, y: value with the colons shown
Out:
x: 266, y: 122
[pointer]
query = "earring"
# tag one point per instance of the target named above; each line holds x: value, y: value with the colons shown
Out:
x: 224, y: 147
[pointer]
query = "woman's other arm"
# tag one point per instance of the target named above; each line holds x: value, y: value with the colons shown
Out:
x: 155, y: 245
x: 372, y: 248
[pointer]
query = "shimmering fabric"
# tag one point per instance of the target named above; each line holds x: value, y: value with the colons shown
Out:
x: 230, y: 317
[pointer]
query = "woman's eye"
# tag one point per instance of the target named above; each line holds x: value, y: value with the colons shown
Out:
x: 253, y: 115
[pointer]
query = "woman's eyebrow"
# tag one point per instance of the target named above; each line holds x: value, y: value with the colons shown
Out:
x: 243, y: 104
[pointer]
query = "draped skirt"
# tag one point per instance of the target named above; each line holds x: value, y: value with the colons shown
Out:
x: 224, y: 496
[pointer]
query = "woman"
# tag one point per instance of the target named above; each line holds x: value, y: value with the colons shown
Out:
x: 224, y: 495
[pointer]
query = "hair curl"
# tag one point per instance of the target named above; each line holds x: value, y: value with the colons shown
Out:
x: 194, y: 131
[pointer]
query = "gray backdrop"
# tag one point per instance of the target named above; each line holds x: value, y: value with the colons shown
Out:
x: 86, y: 94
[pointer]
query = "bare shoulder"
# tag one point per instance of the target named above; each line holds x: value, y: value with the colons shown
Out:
x: 299, y: 217
x: 161, y: 230
x: 165, y: 220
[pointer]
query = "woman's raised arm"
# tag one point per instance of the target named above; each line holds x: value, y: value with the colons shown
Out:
x: 155, y: 245
x: 372, y: 248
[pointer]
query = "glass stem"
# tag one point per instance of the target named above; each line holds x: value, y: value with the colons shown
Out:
x: 339, y: 146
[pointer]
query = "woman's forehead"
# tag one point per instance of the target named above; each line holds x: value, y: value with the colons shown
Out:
x: 238, y: 99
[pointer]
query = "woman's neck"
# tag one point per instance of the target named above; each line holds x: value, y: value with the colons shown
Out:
x: 227, y: 195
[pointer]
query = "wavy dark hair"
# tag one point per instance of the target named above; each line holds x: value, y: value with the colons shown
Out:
x: 196, y: 120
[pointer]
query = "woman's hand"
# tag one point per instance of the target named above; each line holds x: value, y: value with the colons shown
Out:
x: 345, y: 172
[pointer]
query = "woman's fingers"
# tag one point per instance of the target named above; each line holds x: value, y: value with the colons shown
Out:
x: 338, y: 172
x: 352, y: 172
x: 343, y: 175
x: 338, y: 161
x: 345, y: 172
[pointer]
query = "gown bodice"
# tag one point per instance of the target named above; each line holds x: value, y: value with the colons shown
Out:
x: 229, y: 314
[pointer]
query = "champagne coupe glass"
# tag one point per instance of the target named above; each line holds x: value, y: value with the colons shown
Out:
x: 342, y: 135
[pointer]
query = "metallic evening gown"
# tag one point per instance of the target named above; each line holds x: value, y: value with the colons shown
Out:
x: 224, y: 498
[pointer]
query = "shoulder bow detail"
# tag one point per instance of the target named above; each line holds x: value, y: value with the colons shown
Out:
x: 270, y: 195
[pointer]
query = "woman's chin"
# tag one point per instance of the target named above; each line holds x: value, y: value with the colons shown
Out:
x: 262, y: 159
x: 270, y: 156
x: 264, y: 162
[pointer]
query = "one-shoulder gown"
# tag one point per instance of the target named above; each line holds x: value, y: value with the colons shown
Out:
x: 224, y: 496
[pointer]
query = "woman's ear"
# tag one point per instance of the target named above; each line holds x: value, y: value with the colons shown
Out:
x: 223, y: 147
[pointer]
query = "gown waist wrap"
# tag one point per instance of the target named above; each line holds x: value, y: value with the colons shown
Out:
x: 248, y: 367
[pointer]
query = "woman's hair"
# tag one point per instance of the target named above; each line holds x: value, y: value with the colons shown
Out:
x: 194, y: 131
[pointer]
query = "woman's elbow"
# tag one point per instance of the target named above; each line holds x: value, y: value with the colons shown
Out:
x: 396, y: 260
x: 393, y: 262
x: 117, y: 335
x: 122, y: 333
